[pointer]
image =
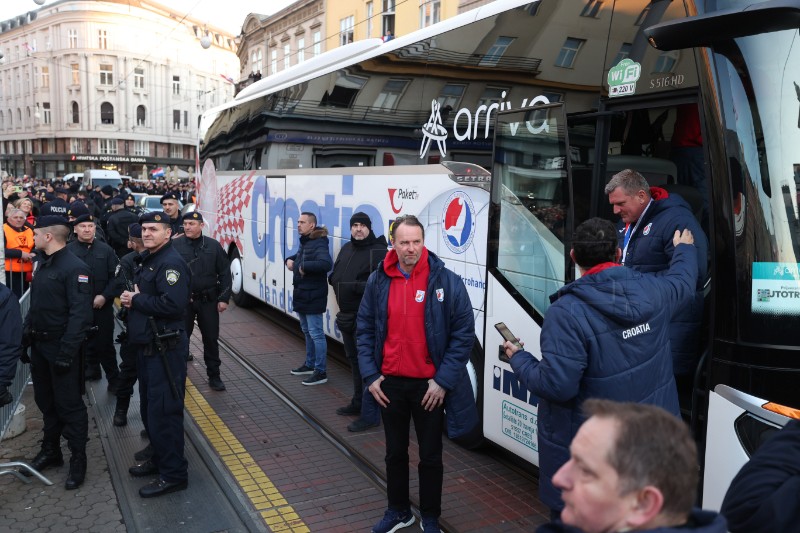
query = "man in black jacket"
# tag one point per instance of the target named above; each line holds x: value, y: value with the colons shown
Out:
x: 102, y: 261
x: 355, y: 262
x: 211, y: 290
x: 10, y: 339
x: 117, y: 226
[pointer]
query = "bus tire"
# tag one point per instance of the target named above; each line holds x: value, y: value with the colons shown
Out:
x: 240, y: 298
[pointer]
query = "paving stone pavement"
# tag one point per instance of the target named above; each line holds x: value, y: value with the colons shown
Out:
x: 34, y: 507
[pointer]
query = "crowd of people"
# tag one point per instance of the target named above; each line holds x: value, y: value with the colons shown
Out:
x: 616, y: 345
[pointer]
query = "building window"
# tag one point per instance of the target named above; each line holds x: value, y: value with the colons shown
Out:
x: 141, y: 148
x: 106, y: 113
x: 75, y: 146
x: 108, y: 146
x: 568, y: 53
x: 176, y: 120
x: 176, y: 85
x: 592, y: 8
x: 186, y: 120
x: 47, y: 117
x: 496, y: 51
x: 666, y: 61
x: 430, y: 13
x: 138, y: 78
x: 344, y: 91
x: 390, y: 95
x: 176, y: 151
x: 76, y: 113
x: 102, y: 39
x: 370, y: 13
x: 273, y: 62
x: 346, y: 28
x: 106, y: 74
x: 76, y: 73
x: 301, y: 49
x: 72, y: 38
x: 317, y: 43
x: 45, y: 77
x: 388, y: 17
x: 141, y: 116
x: 492, y: 95
x: 624, y: 51
x: 258, y: 61
x: 450, y: 96
x: 287, y: 56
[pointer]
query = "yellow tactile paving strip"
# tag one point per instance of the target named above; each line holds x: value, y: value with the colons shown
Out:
x: 265, y: 497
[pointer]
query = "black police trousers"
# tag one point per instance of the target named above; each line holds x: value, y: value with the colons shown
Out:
x: 208, y: 322
x: 127, y: 370
x: 58, y: 397
x: 100, y: 349
x: 162, y: 412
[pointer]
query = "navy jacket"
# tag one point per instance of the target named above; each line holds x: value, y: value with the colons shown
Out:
x: 449, y: 331
x: 605, y: 336
x: 650, y: 249
x: 700, y: 521
x: 310, y: 295
x: 10, y: 335
x: 354, y: 264
x: 164, y: 281
x: 763, y: 497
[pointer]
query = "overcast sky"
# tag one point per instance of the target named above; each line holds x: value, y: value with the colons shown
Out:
x: 225, y: 14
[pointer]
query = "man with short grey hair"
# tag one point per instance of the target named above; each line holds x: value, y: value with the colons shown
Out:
x: 649, y: 217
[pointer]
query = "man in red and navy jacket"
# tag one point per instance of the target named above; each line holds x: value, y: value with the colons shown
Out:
x: 415, y: 331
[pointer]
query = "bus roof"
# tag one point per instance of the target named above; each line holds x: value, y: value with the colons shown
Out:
x: 359, y: 51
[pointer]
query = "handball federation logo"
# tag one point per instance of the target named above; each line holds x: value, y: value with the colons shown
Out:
x: 458, y: 222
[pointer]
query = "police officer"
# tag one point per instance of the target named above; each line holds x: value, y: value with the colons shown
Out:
x: 211, y: 290
x: 117, y: 226
x: 59, y: 317
x: 57, y: 204
x: 102, y: 262
x: 130, y: 205
x: 127, y: 352
x: 78, y: 208
x: 156, y: 309
x: 172, y: 207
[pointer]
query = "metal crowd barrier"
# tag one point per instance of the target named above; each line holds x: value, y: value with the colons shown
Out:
x: 21, y: 379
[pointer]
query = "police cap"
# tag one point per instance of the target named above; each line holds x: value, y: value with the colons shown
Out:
x: 194, y: 215
x: 77, y: 209
x: 51, y: 220
x: 108, y: 190
x: 135, y: 230
x: 85, y: 217
x: 169, y: 196
x: 117, y: 201
x: 154, y: 216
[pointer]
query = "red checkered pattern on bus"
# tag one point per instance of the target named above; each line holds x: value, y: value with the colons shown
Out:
x: 234, y: 198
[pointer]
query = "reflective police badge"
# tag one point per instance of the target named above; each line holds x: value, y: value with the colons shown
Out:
x: 173, y: 276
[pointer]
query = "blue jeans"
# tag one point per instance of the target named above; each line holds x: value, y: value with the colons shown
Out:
x: 316, y: 344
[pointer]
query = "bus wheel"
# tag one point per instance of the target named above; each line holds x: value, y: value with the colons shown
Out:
x: 240, y: 298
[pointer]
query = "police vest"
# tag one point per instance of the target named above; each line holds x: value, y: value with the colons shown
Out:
x: 18, y: 240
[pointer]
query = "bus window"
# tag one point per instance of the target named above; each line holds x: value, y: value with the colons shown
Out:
x: 530, y: 170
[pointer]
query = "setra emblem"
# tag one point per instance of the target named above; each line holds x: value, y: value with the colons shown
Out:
x: 173, y: 276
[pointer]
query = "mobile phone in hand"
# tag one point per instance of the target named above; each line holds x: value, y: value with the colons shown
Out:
x: 507, y: 335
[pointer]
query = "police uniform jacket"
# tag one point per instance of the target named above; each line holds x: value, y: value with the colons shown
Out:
x: 211, y: 273
x: 117, y: 227
x: 126, y: 270
x: 11, y: 338
x: 61, y: 303
x: 177, y: 225
x: 164, y: 282
x: 606, y: 335
x: 102, y: 261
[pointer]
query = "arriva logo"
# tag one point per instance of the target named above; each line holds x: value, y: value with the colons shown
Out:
x: 466, y: 125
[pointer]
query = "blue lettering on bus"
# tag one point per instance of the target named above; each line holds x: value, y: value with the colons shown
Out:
x: 507, y: 383
x: 282, y: 214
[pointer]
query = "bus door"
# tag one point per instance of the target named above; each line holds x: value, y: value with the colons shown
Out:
x: 270, y: 277
x: 529, y: 228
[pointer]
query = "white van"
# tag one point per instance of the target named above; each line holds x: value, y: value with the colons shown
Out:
x: 100, y: 178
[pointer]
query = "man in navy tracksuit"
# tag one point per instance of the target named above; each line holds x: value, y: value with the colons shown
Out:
x: 415, y: 330
x: 763, y: 497
x: 649, y: 217
x: 606, y: 335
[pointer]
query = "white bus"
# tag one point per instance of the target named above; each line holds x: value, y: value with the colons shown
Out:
x: 499, y: 128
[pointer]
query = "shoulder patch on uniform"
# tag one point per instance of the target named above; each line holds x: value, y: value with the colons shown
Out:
x: 173, y: 276
x: 83, y: 278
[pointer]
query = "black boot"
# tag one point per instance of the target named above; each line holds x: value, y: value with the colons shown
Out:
x: 49, y: 455
x: 121, y: 412
x: 77, y: 468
